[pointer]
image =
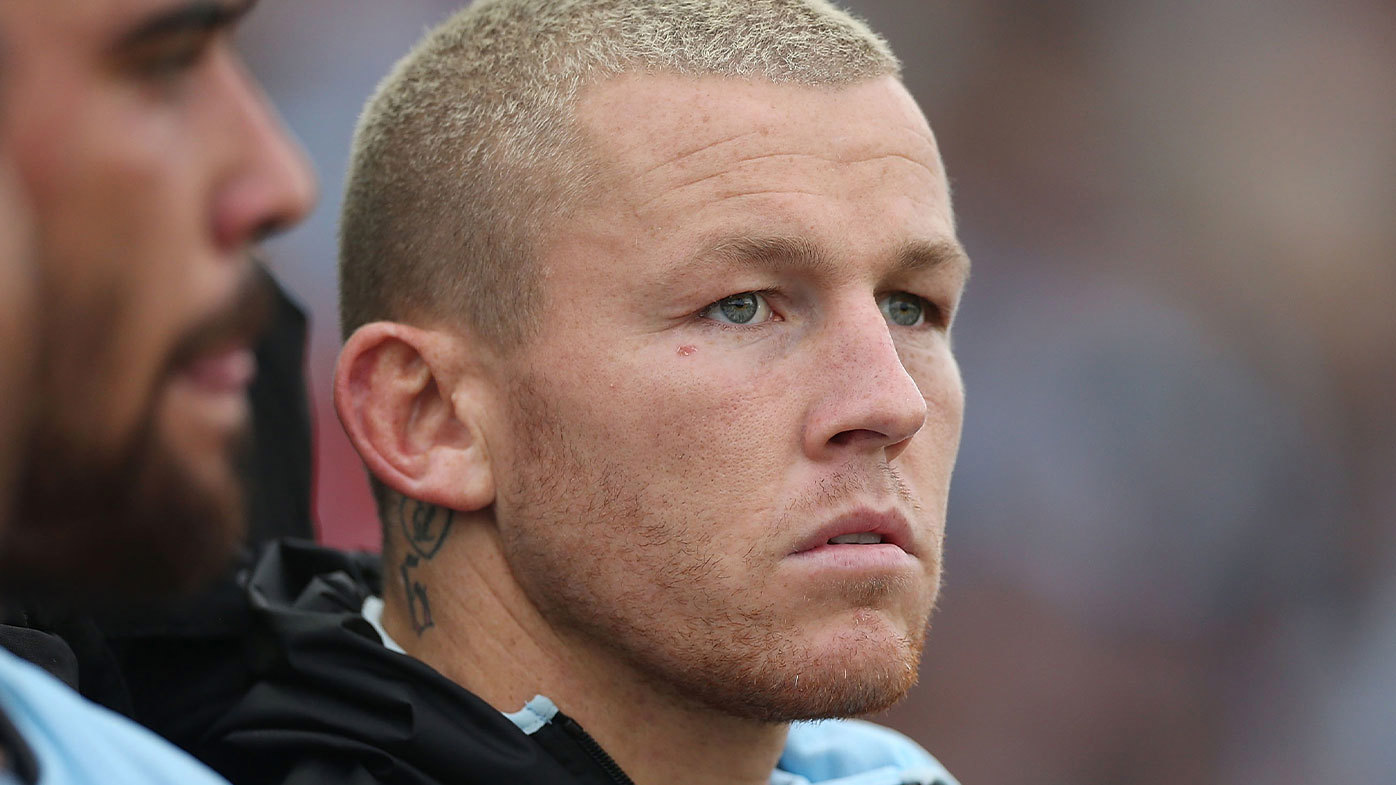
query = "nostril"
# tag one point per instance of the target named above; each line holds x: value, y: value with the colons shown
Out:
x: 845, y: 438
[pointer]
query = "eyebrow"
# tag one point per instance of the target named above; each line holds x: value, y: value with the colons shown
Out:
x: 921, y: 256
x: 200, y: 17
x: 769, y: 253
x: 802, y: 254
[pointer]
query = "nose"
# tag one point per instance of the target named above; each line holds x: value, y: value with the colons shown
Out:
x: 867, y: 402
x: 270, y: 186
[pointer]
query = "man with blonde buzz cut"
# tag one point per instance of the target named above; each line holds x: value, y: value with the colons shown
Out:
x: 647, y: 310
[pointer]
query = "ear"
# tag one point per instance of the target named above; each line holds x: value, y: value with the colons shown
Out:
x: 408, y: 401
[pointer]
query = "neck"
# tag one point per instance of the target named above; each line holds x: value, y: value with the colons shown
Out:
x: 485, y: 635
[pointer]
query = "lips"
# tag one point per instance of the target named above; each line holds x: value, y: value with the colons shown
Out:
x: 229, y: 370
x: 891, y: 527
x: 216, y: 353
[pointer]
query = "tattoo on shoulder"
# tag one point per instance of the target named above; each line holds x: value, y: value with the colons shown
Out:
x: 424, y: 527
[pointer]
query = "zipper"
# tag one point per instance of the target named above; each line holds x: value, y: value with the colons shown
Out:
x: 593, y: 750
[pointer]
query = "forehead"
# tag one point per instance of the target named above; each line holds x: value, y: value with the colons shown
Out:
x: 685, y: 162
x: 645, y: 116
x: 647, y: 120
x: 670, y: 139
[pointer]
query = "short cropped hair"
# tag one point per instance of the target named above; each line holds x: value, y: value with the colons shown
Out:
x: 469, y: 145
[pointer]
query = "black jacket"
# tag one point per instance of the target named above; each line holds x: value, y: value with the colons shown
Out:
x: 332, y: 704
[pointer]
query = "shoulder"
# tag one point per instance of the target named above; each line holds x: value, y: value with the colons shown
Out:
x: 831, y: 750
x: 76, y: 742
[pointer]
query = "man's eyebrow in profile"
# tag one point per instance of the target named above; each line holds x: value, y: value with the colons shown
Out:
x: 200, y: 17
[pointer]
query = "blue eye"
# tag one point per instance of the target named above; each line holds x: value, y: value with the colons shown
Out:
x: 744, y: 308
x: 903, y: 309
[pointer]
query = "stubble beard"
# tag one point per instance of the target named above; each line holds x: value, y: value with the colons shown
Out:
x: 686, y: 632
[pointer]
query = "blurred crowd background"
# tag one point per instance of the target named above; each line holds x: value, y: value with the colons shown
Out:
x: 1172, y: 545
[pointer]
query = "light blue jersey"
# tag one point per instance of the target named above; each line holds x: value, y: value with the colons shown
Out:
x: 853, y: 752
x: 77, y: 742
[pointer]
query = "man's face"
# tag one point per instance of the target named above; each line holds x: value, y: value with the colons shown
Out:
x: 152, y: 163
x: 745, y: 353
x: 17, y: 333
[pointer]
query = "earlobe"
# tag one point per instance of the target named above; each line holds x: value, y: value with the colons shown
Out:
x: 406, y: 399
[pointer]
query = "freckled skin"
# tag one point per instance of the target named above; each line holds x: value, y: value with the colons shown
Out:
x: 649, y: 496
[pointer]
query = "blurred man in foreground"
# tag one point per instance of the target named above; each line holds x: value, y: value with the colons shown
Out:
x: 151, y: 164
x: 648, y: 309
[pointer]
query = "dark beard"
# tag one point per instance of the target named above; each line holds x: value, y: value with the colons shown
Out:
x: 129, y: 528
x: 91, y: 528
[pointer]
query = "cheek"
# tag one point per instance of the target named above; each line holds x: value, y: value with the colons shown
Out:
x: 17, y: 273
x: 116, y: 179
x: 946, y: 400
x: 17, y: 293
x: 704, y: 405
x: 16, y: 358
x: 937, y: 376
x: 696, y: 433
x: 104, y: 348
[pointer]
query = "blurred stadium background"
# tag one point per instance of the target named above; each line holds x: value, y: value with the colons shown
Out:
x: 1172, y: 548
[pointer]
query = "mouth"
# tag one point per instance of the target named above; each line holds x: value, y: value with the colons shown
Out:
x: 858, y: 538
x: 860, y: 529
x: 227, y: 370
x: 216, y: 356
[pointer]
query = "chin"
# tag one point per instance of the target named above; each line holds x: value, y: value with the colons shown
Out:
x: 142, y: 528
x: 186, y: 528
x: 861, y: 671
x: 863, y: 667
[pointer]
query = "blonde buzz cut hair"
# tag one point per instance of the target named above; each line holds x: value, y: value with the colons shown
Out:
x: 469, y: 148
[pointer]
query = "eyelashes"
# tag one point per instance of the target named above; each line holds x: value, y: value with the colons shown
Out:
x: 744, y: 308
x: 752, y: 309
